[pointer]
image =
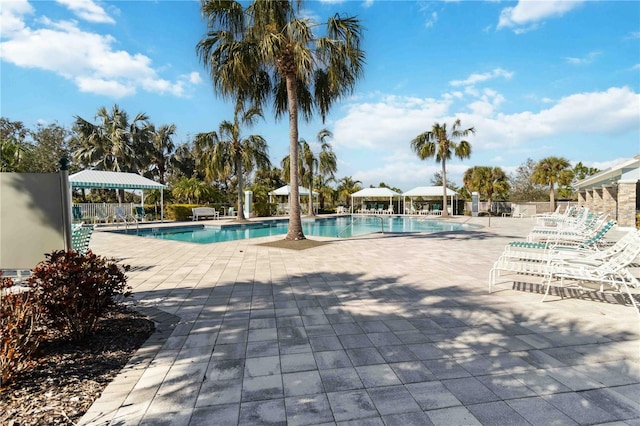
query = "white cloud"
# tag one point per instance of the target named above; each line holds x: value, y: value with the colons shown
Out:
x: 431, y: 20
x: 194, y: 78
x: 86, y: 58
x: 392, y: 119
x: 104, y: 87
x: 478, y: 78
x: 88, y: 10
x: 528, y: 13
x: 591, y: 56
x: 11, y: 14
x: 387, y: 126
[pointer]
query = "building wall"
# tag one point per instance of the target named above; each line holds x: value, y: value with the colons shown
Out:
x: 627, y: 203
x: 610, y: 201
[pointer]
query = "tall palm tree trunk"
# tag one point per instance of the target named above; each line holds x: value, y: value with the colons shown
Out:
x: 295, y: 222
x: 311, y: 212
x: 240, y: 214
x: 445, y: 212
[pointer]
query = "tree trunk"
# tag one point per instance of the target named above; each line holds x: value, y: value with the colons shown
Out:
x: 311, y: 213
x: 552, y: 199
x: 295, y: 221
x: 445, y: 212
x: 240, y: 214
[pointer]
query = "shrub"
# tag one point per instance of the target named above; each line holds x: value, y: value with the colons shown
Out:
x: 75, y: 289
x: 178, y: 211
x: 20, y: 330
x: 261, y: 209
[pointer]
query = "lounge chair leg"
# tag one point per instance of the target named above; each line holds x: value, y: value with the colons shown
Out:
x: 546, y: 293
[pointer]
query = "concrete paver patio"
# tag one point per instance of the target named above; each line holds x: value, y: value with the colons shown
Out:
x: 376, y: 330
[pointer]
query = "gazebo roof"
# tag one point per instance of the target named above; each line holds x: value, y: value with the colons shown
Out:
x: 376, y: 192
x: 111, y: 180
x: 428, y: 191
x: 286, y: 190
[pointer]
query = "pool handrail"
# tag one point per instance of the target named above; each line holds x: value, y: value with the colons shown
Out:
x: 353, y: 217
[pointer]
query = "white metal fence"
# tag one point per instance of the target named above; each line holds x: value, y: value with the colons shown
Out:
x: 102, y: 212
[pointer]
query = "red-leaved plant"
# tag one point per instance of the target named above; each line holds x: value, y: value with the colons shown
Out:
x: 75, y: 289
x: 20, y: 329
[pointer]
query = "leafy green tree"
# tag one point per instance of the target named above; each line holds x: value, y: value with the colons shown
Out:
x: 267, y: 51
x: 552, y: 171
x: 228, y: 152
x: 160, y: 150
x: 580, y: 171
x: 489, y: 182
x: 347, y: 186
x: 324, y: 163
x: 264, y: 181
x: 325, y: 190
x: 110, y: 144
x: 522, y: 186
x: 51, y: 143
x: 384, y: 185
x: 15, y: 149
x: 192, y: 189
x: 183, y: 162
x: 439, y: 143
x: 114, y: 144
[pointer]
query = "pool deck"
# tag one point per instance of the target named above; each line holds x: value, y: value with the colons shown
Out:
x: 375, y: 330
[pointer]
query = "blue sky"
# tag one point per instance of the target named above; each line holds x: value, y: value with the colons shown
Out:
x: 535, y: 78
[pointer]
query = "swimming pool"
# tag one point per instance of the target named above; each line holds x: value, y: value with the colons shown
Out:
x: 321, y: 227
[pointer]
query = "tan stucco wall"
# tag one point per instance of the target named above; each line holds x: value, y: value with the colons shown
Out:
x: 31, y: 218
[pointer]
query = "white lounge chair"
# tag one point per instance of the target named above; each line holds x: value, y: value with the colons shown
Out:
x: 581, y: 231
x: 518, y: 212
x: 101, y: 215
x: 80, y: 237
x: 566, y: 253
x: 579, y: 270
x: 122, y: 216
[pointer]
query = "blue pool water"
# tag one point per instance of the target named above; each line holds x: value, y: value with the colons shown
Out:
x: 321, y: 227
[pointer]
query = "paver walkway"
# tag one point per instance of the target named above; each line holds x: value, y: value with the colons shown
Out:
x: 384, y: 330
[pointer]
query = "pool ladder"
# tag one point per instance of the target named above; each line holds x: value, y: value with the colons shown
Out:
x: 353, y: 219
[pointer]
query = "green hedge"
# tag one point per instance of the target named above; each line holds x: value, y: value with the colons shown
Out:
x: 178, y: 211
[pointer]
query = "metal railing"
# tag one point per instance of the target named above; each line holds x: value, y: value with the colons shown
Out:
x: 102, y: 212
x: 353, y: 219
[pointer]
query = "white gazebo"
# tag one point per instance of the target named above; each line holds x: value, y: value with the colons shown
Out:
x: 285, y: 191
x: 116, y: 180
x: 427, y: 192
x: 376, y: 193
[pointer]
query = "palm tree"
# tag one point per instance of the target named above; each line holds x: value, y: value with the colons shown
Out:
x: 325, y: 191
x: 438, y: 143
x: 267, y: 52
x: 115, y: 144
x: 551, y: 171
x: 488, y: 181
x: 227, y: 152
x: 325, y: 163
x: 161, y: 149
x: 347, y: 186
x: 183, y: 161
x: 191, y: 189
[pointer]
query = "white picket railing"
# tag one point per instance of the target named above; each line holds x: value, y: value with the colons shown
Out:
x: 102, y: 212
